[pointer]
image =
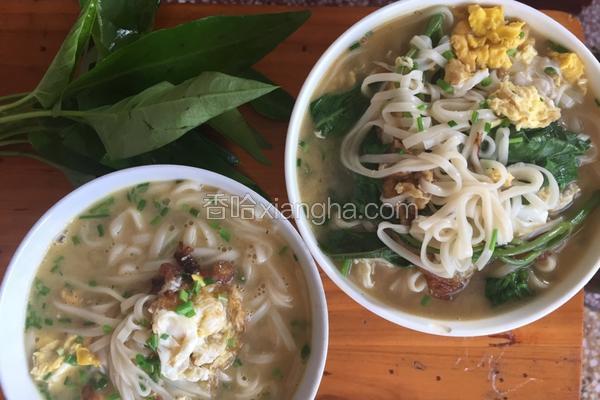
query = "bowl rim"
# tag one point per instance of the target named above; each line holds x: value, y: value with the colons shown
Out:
x: 518, y: 317
x: 14, y: 371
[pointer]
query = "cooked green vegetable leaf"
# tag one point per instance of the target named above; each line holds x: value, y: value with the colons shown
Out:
x: 164, y: 112
x: 121, y: 22
x: 512, y: 286
x: 233, y: 126
x: 220, y: 43
x: 351, y: 244
x: 552, y: 147
x: 334, y: 114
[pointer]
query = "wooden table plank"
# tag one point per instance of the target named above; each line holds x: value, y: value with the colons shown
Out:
x: 369, y: 358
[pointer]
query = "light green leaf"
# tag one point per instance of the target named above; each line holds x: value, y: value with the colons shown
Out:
x: 234, y: 127
x: 164, y: 112
x: 61, y: 70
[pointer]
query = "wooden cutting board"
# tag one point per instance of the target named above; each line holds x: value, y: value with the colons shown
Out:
x: 369, y: 358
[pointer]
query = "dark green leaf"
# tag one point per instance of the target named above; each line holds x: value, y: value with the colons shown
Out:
x: 277, y: 105
x: 164, y: 112
x: 512, y: 286
x: 334, y: 114
x: 219, y: 43
x: 351, y: 244
x: 121, y: 22
x: 552, y: 147
x: 234, y: 127
x: 60, y: 71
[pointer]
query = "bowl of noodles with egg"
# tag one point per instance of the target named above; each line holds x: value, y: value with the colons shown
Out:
x: 445, y: 159
x: 163, y: 282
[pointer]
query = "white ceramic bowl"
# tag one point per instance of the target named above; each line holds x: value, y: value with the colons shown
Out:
x: 582, y: 270
x: 14, y: 374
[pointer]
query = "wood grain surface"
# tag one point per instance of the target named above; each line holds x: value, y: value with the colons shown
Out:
x: 369, y: 358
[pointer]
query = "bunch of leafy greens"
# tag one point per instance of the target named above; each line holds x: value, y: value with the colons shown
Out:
x: 552, y: 147
x: 148, y: 96
x: 512, y: 286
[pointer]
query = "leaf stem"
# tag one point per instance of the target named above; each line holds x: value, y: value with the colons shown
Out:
x: 16, y: 141
x: 17, y: 103
x: 24, y: 130
x: 29, y: 155
x: 13, y: 96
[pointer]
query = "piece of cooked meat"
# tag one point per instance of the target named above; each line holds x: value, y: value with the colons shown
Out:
x: 183, y: 256
x: 445, y: 288
x: 167, y: 300
x: 88, y: 393
x: 222, y: 272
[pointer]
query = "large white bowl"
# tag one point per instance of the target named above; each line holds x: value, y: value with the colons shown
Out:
x: 582, y: 270
x: 14, y: 374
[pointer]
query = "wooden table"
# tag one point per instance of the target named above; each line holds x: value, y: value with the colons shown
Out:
x: 369, y: 358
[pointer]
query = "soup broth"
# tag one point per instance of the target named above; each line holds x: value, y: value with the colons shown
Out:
x: 162, y: 291
x: 322, y: 174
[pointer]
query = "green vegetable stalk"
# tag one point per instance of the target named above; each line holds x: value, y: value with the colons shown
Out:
x: 148, y: 97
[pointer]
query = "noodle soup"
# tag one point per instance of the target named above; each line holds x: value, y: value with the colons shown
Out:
x: 459, y: 146
x: 168, y: 290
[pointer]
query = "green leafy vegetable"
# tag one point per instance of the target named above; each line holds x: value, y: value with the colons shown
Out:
x: 150, y: 365
x: 350, y: 244
x: 334, y: 114
x: 277, y: 105
x: 220, y: 43
x: 512, y: 286
x: 552, y: 147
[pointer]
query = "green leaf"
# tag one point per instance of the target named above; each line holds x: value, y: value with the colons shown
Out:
x: 552, y: 147
x: 277, y: 105
x: 234, y: 127
x: 121, y: 22
x: 512, y: 286
x: 164, y: 112
x: 334, y: 114
x: 61, y: 70
x: 220, y: 43
x: 351, y: 244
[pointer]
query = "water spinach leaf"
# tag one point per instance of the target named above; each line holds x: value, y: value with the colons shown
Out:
x: 277, y: 105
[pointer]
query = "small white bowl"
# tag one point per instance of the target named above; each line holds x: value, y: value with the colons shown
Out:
x: 14, y: 371
x: 582, y: 270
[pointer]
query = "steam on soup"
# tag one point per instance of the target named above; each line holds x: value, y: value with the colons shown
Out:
x: 161, y: 291
x: 457, y: 161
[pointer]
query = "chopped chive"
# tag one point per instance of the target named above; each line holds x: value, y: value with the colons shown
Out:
x: 446, y: 87
x: 141, y: 205
x: 511, y: 52
x: 420, y: 127
x: 100, y: 229
x: 198, y: 284
x: 515, y: 140
x: 493, y: 240
x: 93, y: 283
x: 505, y: 123
x: 225, y: 234
x: 231, y: 343
x: 406, y: 114
x: 484, y: 104
x: 107, y: 329
x: 452, y: 123
x: 550, y: 71
x: 521, y: 35
x: 194, y: 212
x: 93, y: 216
x: 474, y: 117
x: 65, y: 320
x: 277, y: 374
x: 282, y: 250
x: 152, y: 342
x: 486, y: 81
x: 487, y: 127
x: 422, y: 107
x: 186, y: 309
x: 237, y: 362
x: 70, y: 359
x: 298, y: 162
x: 346, y: 264
x: 184, y: 295
x: 76, y: 240
x: 425, y: 300
x: 49, y: 321
x: 354, y: 46
x: 303, y: 145
x: 113, y: 396
x: 559, y: 48
x: 305, y: 352
x: 448, y: 55
x: 164, y: 336
x: 155, y: 220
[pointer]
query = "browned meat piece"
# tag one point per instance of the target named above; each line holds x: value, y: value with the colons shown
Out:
x: 170, y: 272
x: 222, y: 272
x: 167, y: 300
x: 169, y: 278
x: 88, y: 393
x: 183, y: 256
x: 444, y: 288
